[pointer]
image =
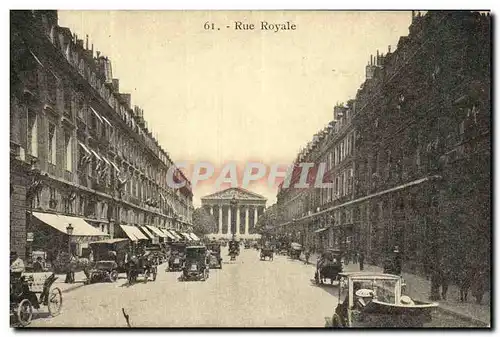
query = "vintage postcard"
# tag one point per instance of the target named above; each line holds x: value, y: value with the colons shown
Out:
x: 250, y: 169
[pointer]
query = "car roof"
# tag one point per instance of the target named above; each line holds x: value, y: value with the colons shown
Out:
x: 369, y: 275
x: 196, y: 247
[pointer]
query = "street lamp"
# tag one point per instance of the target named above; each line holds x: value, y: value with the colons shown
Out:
x: 69, y: 231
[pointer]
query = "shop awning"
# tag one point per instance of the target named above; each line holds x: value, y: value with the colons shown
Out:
x: 85, y: 148
x: 133, y: 233
x: 195, y: 238
x: 95, y: 154
x: 96, y: 114
x: 115, y: 166
x: 144, y: 230
x: 156, y: 231
x: 177, y: 235
x: 106, y: 121
x: 61, y: 222
x: 169, y: 235
x: 186, y: 235
x: 320, y: 230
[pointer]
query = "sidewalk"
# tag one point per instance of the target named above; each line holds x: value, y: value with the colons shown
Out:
x: 418, y: 287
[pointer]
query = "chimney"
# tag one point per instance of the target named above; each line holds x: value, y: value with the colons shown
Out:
x: 126, y: 98
x: 87, y: 41
x: 389, y: 49
x: 116, y: 85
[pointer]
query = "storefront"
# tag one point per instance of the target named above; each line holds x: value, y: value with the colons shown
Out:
x: 55, y: 233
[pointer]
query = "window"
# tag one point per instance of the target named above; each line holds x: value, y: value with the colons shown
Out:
x: 32, y: 80
x: 52, y: 144
x: 461, y: 128
x: 80, y: 106
x: 67, y: 101
x: 51, y: 88
x: 32, y: 134
x: 68, y: 148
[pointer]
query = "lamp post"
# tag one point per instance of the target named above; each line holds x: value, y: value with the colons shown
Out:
x: 234, y: 204
x: 69, y: 231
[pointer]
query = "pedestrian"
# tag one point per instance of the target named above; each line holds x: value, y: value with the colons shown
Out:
x: 445, y: 279
x: 307, y: 255
x: 37, y: 265
x: 435, y: 282
x: 397, y: 261
x: 355, y: 258
x: 361, y: 260
x: 480, y: 284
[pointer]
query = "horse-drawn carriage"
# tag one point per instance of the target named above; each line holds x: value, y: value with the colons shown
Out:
x: 268, y: 252
x: 176, y: 258
x: 144, y: 265
x: 196, y: 264
x: 375, y: 300
x: 31, y: 290
x: 234, y: 249
x: 215, y: 255
x: 329, y: 266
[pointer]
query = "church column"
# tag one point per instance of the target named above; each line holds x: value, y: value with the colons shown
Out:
x: 238, y: 220
x: 246, y: 220
x: 211, y: 210
x: 255, y: 216
x: 229, y: 220
x: 220, y: 219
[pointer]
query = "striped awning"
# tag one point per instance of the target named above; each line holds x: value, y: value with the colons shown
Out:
x: 186, y: 235
x: 168, y: 234
x: 157, y: 231
x: 194, y: 237
x: 177, y: 235
x: 133, y: 233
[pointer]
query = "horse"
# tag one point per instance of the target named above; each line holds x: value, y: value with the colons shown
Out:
x: 70, y: 264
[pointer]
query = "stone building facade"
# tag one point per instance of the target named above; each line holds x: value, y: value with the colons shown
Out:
x: 421, y: 151
x: 84, y: 151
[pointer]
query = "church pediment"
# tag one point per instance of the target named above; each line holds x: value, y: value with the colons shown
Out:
x: 234, y: 192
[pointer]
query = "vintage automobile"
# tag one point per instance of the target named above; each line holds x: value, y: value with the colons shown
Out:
x: 104, y: 271
x: 234, y: 249
x: 196, y: 264
x: 374, y: 300
x: 295, y: 250
x: 215, y: 259
x: 177, y: 254
x: 329, y: 266
x: 144, y: 265
x: 267, y: 252
x: 31, y: 290
x: 111, y: 250
x: 158, y: 252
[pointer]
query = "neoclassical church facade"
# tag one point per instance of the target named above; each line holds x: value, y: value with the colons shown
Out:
x: 236, y: 211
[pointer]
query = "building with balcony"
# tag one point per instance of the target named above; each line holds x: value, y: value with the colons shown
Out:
x: 302, y: 209
x: 421, y: 157
x: 78, y: 147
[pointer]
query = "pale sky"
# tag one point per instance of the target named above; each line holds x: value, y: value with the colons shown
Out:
x: 227, y: 95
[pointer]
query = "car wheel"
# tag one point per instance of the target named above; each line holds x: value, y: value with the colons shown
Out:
x: 113, y: 276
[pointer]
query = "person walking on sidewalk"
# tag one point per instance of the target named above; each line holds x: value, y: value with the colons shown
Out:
x: 307, y: 255
x: 445, y: 279
x: 361, y: 261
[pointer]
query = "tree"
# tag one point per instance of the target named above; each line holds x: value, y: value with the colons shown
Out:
x: 203, y: 222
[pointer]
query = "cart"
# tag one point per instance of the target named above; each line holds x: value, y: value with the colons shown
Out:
x: 32, y: 290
